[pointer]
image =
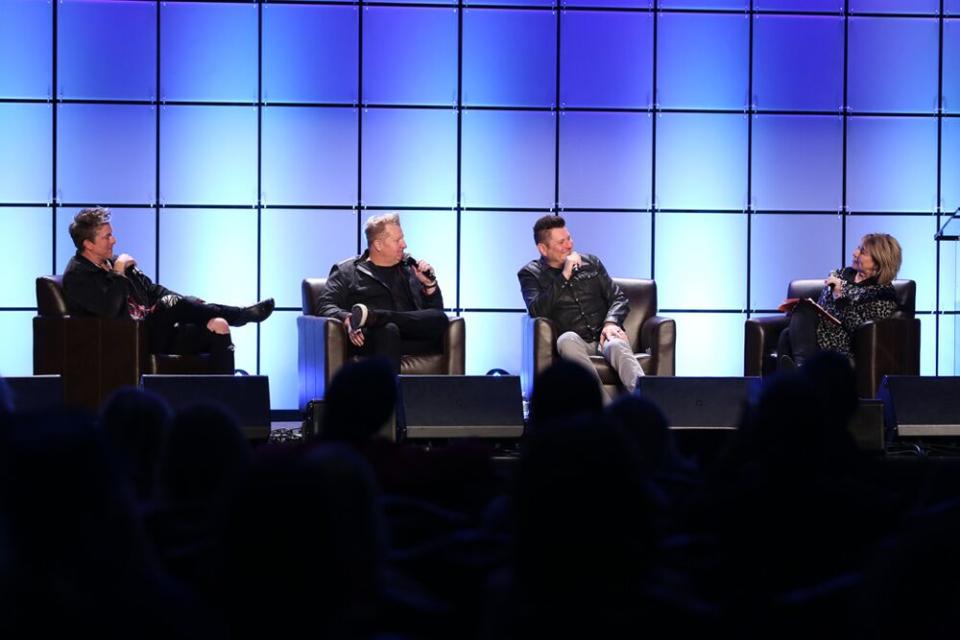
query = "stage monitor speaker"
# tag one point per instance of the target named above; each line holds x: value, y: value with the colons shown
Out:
x: 700, y: 403
x: 866, y: 425
x: 36, y: 393
x: 459, y: 407
x: 921, y: 406
x: 247, y: 398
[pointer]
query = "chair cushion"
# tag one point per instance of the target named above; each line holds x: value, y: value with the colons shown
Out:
x: 50, y: 300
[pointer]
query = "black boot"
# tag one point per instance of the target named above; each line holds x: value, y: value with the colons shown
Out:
x: 239, y: 316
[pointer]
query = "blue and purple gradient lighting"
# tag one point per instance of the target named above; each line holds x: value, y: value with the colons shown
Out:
x: 409, y: 157
x: 107, y: 153
x: 107, y: 50
x: 797, y: 162
x: 891, y: 164
x: 893, y: 65
x: 951, y: 66
x: 950, y: 166
x: 310, y: 53
x: 702, y: 61
x: 199, y: 66
x: 308, y: 156
x: 593, y: 45
x: 509, y: 58
x: 410, y: 56
x: 26, y: 245
x: 798, y: 63
x: 622, y: 241
x: 26, y: 173
x: 605, y: 160
x: 208, y: 155
x: 26, y: 52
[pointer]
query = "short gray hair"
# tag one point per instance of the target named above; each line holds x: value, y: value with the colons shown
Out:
x: 376, y: 225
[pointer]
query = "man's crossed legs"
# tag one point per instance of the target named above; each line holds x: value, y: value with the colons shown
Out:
x: 615, y: 351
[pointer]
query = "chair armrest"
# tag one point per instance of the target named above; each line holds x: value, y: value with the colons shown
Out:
x: 760, y: 337
x: 321, y: 351
x: 885, y: 347
x: 658, y: 334
x: 95, y: 356
x: 538, y: 349
x: 455, y: 347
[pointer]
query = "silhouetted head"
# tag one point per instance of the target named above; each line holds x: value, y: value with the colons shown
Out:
x: 359, y: 400
x: 643, y: 422
x: 136, y: 423
x: 563, y: 390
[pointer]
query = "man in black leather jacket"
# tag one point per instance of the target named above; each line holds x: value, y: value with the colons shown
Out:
x: 390, y: 304
x: 576, y: 292
x: 100, y: 284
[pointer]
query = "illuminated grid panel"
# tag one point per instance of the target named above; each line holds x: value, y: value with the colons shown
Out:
x: 893, y: 65
x: 702, y: 61
x: 507, y: 159
x: 799, y: 5
x: 25, y: 159
x: 208, y: 155
x: 278, y: 358
x: 302, y: 243
x: 605, y: 160
x: 409, y: 157
x: 493, y: 341
x: 797, y: 162
x: 107, y: 50
x: 701, y: 161
x: 209, y: 51
x: 308, y: 156
x: 704, y: 4
x: 928, y: 344
x: 432, y: 236
x: 701, y: 261
x: 106, y: 153
x: 709, y: 344
x: 310, y: 53
x: 26, y: 55
x: 593, y: 46
x: 637, y: 4
x: 951, y: 66
x: 26, y: 244
x: 895, y: 6
x: 798, y: 62
x: 135, y: 230
x: 410, y: 56
x: 891, y: 164
x: 509, y: 58
x: 790, y: 247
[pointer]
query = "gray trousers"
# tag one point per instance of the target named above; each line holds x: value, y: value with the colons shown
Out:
x: 617, y: 352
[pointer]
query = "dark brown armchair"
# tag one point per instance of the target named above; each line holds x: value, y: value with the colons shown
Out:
x: 652, y: 337
x: 322, y: 348
x: 95, y: 356
x: 887, y: 347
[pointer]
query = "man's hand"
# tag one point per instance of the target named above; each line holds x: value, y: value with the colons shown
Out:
x: 123, y: 262
x: 570, y: 264
x: 422, y: 268
x: 611, y: 331
x: 355, y: 335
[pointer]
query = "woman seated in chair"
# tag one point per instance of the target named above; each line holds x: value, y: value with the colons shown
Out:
x: 855, y: 295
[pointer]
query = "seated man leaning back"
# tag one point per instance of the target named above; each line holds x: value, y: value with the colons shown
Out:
x: 390, y: 304
x: 98, y: 283
x: 576, y: 293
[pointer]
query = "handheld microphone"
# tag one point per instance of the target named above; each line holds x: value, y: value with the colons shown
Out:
x: 411, y: 262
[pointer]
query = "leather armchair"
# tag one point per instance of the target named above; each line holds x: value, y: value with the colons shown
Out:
x: 652, y: 337
x: 886, y: 347
x: 322, y: 348
x: 95, y: 356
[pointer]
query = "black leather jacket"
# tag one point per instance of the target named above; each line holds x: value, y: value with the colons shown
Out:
x: 352, y: 281
x: 92, y: 291
x: 583, y: 304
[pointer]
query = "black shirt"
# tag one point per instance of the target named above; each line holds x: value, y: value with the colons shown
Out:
x: 396, y: 281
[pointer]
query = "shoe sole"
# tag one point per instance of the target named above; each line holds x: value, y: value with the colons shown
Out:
x: 358, y: 316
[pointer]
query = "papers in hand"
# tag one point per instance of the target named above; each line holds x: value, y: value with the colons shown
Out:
x: 790, y: 304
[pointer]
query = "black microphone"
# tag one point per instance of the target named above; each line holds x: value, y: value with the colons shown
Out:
x: 844, y: 273
x: 410, y: 261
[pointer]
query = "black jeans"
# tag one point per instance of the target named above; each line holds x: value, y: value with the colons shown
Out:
x: 799, y: 339
x: 403, y: 332
x: 182, y: 329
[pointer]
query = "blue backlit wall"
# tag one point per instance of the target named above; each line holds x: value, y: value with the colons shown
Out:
x: 722, y: 147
